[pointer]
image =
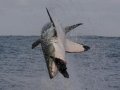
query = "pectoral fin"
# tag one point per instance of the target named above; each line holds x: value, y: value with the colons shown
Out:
x: 75, y: 47
x: 36, y: 43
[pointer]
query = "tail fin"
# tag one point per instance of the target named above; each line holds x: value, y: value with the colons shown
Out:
x: 50, y: 17
x: 69, y: 28
x: 62, y: 67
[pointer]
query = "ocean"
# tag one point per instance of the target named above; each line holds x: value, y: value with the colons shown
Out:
x: 23, y: 68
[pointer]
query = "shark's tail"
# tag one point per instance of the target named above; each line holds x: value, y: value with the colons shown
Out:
x: 62, y: 67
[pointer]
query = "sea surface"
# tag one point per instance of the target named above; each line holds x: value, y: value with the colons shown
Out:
x: 22, y: 68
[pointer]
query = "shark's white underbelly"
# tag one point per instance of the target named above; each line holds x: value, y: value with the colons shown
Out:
x: 59, y: 49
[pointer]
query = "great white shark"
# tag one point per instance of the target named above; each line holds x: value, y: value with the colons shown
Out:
x: 55, y: 44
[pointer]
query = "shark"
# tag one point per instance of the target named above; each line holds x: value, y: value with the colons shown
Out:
x: 55, y: 45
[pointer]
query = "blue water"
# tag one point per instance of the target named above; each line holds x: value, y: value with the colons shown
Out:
x: 22, y: 68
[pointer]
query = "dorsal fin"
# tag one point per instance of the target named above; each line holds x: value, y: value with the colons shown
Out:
x: 69, y: 28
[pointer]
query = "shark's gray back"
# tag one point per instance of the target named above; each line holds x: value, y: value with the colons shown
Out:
x: 46, y: 27
x: 47, y: 31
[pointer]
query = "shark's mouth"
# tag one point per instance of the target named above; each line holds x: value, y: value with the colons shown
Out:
x: 61, y: 65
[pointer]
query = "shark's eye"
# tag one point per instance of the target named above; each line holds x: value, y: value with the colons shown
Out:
x: 55, y: 33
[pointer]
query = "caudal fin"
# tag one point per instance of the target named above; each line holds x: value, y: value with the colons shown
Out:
x: 62, y: 67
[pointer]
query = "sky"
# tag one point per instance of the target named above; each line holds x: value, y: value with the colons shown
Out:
x: 27, y: 17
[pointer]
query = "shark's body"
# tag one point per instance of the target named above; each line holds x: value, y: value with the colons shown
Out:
x: 54, y: 45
